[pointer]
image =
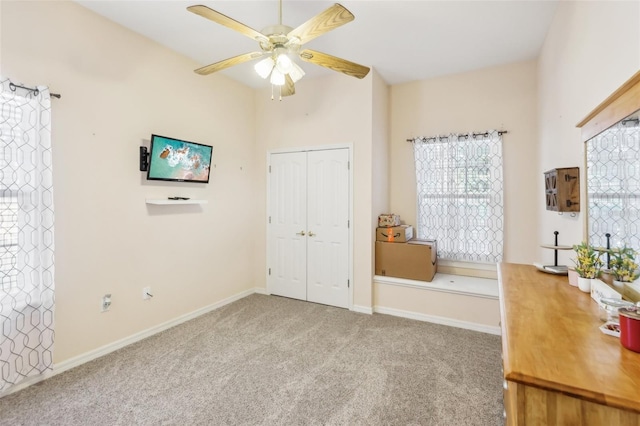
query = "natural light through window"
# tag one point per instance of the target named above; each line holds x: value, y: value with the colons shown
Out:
x: 8, y: 241
x: 459, y: 195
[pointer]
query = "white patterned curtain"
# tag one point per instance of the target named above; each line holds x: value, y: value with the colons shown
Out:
x: 26, y: 234
x: 459, y: 190
x: 613, y: 185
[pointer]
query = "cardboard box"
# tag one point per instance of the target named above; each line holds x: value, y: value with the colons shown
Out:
x: 388, y: 220
x: 395, y: 234
x: 415, y: 260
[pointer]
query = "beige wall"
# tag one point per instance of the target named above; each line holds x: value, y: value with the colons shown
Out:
x: 380, y: 157
x: 117, y: 88
x: 502, y: 97
x: 454, y: 308
x: 331, y: 110
x: 590, y: 50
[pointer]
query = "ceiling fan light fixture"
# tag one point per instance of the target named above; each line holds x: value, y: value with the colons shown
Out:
x: 264, y: 67
x: 296, y: 72
x: 284, y: 63
x: 277, y: 78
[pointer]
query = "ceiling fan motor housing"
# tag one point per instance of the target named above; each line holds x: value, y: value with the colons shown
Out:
x: 277, y: 35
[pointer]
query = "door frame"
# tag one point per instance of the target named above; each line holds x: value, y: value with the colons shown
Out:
x: 349, y: 148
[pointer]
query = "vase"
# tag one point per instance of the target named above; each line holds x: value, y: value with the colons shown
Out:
x: 635, y: 285
x: 573, y: 277
x: 584, y: 284
x: 618, y: 286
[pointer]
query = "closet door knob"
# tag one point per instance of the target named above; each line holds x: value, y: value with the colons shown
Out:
x: 311, y: 234
x: 300, y: 233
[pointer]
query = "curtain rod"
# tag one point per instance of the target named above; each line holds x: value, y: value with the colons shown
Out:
x: 13, y: 88
x: 465, y: 135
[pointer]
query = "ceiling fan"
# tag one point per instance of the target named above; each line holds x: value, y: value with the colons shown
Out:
x: 281, y: 44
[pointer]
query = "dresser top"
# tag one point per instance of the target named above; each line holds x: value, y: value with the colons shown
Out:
x: 551, y: 340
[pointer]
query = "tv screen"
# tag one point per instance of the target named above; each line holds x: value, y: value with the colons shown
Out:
x: 178, y: 160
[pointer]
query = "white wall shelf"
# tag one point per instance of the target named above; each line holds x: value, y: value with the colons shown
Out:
x: 164, y: 201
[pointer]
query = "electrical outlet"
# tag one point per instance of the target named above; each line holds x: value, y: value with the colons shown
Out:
x: 105, y: 302
x: 146, y: 293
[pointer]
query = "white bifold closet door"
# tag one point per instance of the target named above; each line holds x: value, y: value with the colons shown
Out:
x: 309, y: 226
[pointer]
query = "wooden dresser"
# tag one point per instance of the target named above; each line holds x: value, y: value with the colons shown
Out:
x: 559, y: 368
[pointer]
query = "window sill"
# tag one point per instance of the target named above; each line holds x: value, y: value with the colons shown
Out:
x: 468, y: 265
x: 457, y: 284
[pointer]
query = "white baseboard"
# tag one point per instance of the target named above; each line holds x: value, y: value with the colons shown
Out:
x: 438, y: 320
x: 28, y: 382
x: 362, y: 309
x: 118, y: 344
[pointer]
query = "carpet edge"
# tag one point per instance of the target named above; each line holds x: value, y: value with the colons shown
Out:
x: 119, y: 344
x: 438, y: 320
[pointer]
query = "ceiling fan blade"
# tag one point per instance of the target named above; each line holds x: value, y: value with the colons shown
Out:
x: 289, y: 88
x: 332, y: 18
x: 221, y: 19
x: 209, y: 69
x: 334, y: 63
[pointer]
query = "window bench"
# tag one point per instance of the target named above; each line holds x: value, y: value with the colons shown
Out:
x: 457, y: 284
x: 454, y: 300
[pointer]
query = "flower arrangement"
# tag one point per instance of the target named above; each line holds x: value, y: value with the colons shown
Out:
x: 588, y: 263
x: 623, y: 264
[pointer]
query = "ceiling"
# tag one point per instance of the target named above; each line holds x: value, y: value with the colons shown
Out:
x: 403, y: 40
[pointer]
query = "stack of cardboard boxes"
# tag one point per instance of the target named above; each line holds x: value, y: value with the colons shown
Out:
x: 399, y: 255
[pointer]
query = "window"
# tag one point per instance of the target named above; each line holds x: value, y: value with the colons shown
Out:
x: 10, y: 130
x: 8, y: 241
x: 613, y: 185
x: 26, y: 200
x: 459, y: 190
x: 26, y: 233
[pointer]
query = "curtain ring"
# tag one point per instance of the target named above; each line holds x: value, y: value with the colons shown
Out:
x: 12, y: 87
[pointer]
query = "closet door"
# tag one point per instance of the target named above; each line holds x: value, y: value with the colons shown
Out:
x: 288, y: 227
x: 328, y: 227
x: 309, y: 226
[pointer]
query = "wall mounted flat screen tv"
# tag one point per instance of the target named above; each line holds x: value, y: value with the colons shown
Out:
x: 178, y: 160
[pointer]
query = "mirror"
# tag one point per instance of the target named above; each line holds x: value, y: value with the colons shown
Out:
x: 613, y: 185
x: 611, y: 133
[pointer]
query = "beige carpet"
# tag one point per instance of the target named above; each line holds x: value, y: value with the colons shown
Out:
x: 268, y: 360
